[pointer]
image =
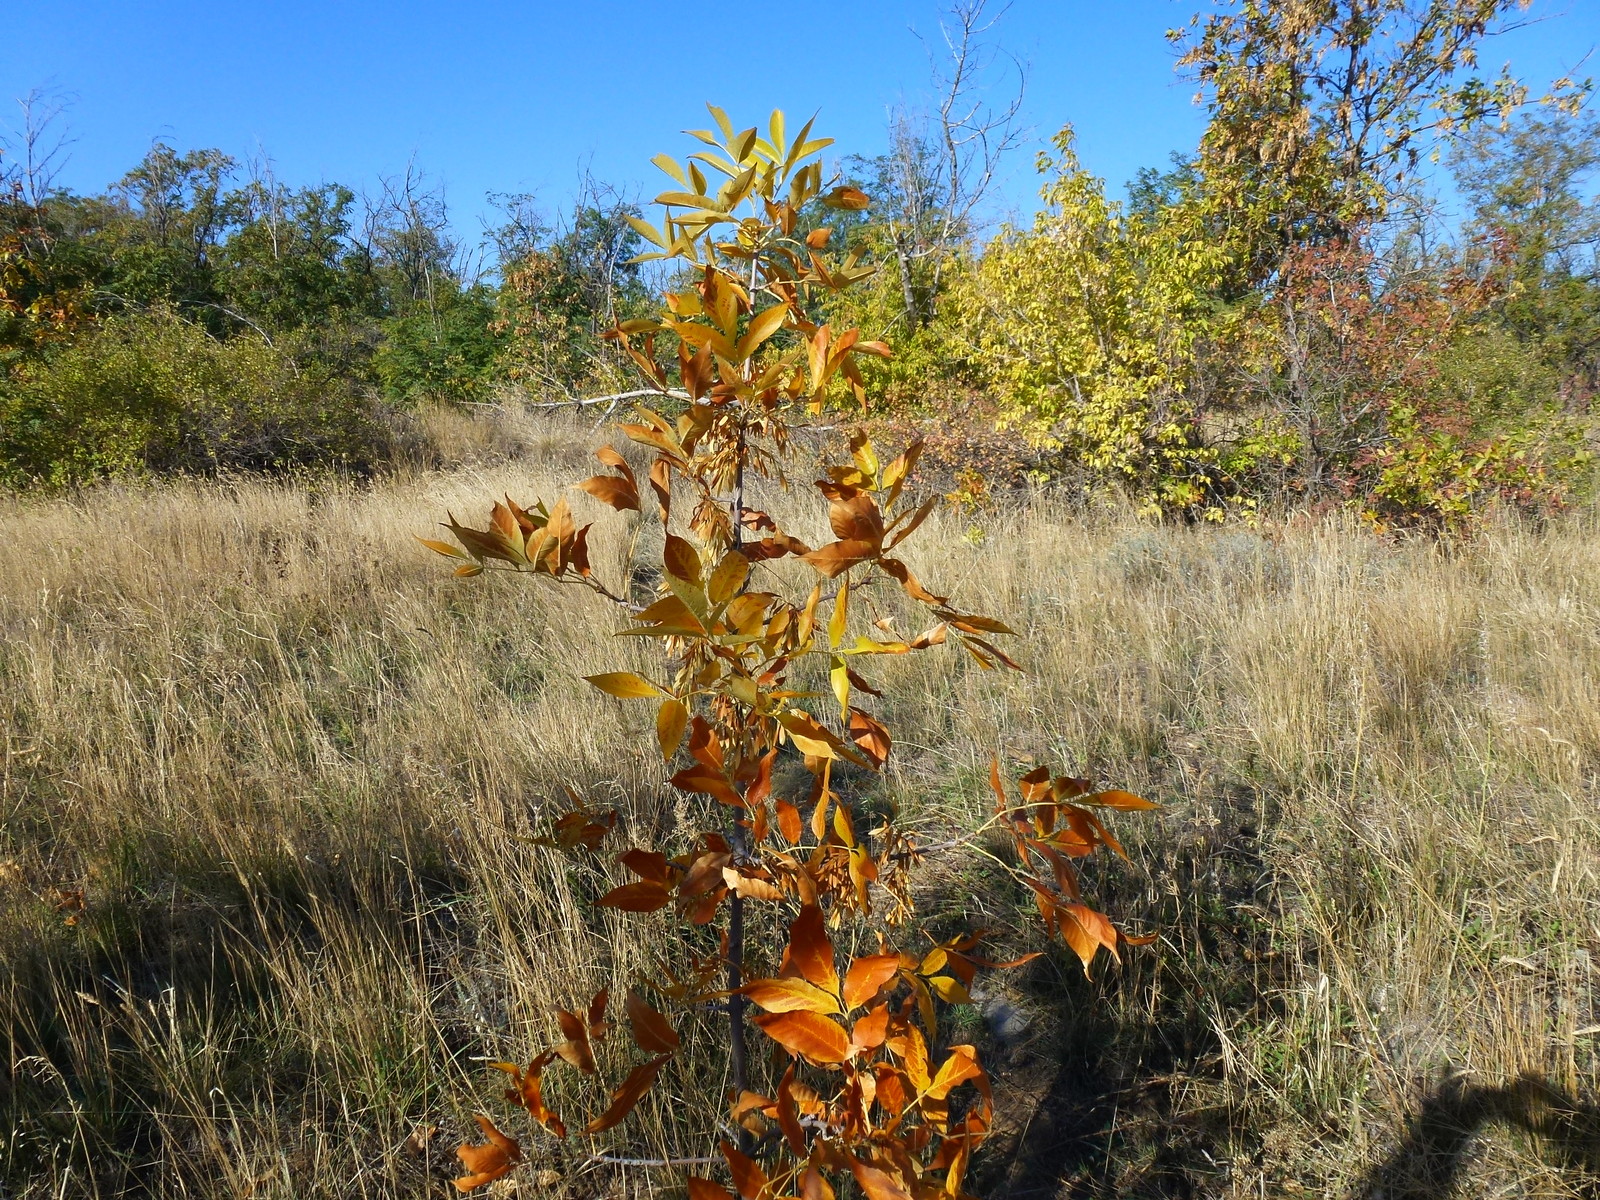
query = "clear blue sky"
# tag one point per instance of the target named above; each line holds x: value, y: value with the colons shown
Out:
x: 505, y: 97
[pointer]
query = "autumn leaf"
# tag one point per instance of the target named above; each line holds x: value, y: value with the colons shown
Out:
x: 486, y: 1163
x: 789, y: 821
x: 813, y: 1186
x: 625, y: 685
x: 871, y: 736
x: 810, y: 950
x: 1085, y: 931
x: 728, y: 578
x: 576, y: 1049
x: 848, y: 198
x: 647, y: 895
x: 671, y: 720
x: 527, y: 1090
x: 866, y: 976
x: 620, y: 491
x: 707, y: 781
x: 682, y: 560
x: 749, y: 887
x: 1119, y: 800
x: 808, y: 1034
x: 838, y: 557
x: 876, y: 1184
x: 652, y: 1032
x: 870, y: 1031
x: 790, y: 995
x: 444, y: 548
x: 639, y: 1081
x: 961, y: 1066
x: 749, y: 1179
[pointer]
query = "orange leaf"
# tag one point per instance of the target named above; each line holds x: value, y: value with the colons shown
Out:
x: 789, y: 1113
x: 749, y: 887
x: 620, y: 494
x: 1115, y: 798
x: 814, y: 1187
x: 837, y: 557
x: 961, y: 1066
x: 1085, y: 931
x: 576, y: 1049
x: 809, y: 1034
x: 526, y: 1090
x: 639, y: 1081
x: 646, y: 864
x: 810, y: 951
x: 708, y: 781
x: 489, y: 1162
x: 849, y: 198
x: 704, y: 1189
x: 872, y: 737
x: 750, y: 1180
x: 681, y: 560
x: 866, y: 977
x: 645, y: 896
x: 876, y: 1184
x: 625, y: 685
x: 652, y: 1032
x: 869, y: 1032
x: 788, y: 821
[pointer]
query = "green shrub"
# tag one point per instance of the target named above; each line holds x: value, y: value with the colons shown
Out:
x: 149, y: 392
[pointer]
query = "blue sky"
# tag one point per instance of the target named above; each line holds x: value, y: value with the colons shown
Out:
x: 507, y: 97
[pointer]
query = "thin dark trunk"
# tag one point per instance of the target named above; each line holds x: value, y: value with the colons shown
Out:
x: 738, y: 1050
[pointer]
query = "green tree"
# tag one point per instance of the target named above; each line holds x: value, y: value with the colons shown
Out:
x: 288, y: 261
x: 1532, y: 188
x: 1089, y: 325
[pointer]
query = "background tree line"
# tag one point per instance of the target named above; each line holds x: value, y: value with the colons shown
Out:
x: 1288, y: 313
x: 202, y: 315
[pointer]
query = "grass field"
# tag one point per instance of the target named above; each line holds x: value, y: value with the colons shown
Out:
x: 286, y: 760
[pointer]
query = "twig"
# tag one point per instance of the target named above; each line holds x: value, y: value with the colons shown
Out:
x: 610, y: 1160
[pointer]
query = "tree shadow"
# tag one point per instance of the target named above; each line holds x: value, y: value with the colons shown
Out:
x: 1430, y: 1161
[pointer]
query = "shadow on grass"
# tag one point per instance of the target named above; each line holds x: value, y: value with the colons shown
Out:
x: 1430, y: 1161
x: 120, y: 1033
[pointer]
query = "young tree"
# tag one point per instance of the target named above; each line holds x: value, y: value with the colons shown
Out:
x: 864, y: 1094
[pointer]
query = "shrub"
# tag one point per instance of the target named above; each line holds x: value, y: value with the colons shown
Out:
x: 149, y: 392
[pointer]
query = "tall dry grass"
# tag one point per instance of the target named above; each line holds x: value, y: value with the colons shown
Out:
x: 291, y: 763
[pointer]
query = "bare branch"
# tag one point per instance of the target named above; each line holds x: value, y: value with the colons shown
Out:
x: 41, y: 142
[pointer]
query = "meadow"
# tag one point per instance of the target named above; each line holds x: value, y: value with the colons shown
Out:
x: 269, y: 895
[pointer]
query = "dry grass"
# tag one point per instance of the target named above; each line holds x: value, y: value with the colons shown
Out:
x: 287, y: 759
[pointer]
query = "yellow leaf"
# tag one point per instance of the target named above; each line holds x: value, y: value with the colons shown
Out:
x: 443, y: 548
x: 762, y: 326
x: 841, y: 612
x: 625, y: 685
x: 671, y: 720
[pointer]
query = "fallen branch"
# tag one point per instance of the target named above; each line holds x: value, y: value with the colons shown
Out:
x: 613, y: 399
